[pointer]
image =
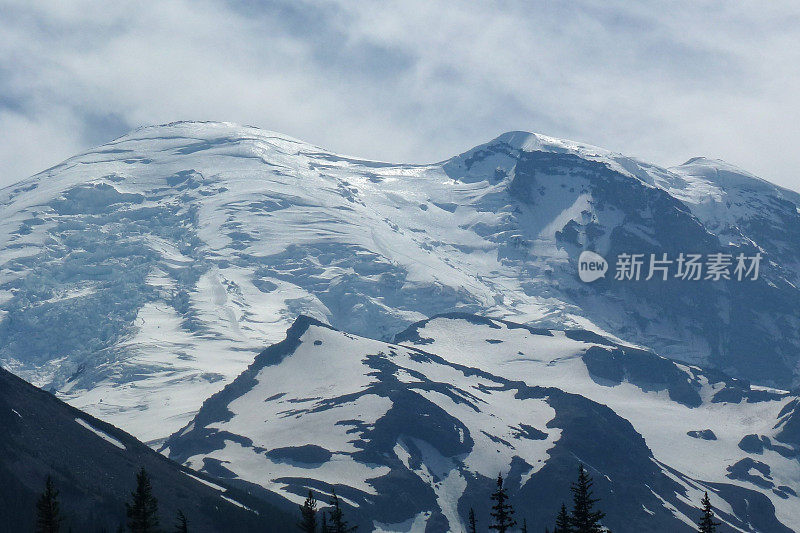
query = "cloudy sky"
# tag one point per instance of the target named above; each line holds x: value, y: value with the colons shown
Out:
x: 412, y: 80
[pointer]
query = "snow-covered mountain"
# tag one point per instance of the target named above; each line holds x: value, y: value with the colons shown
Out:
x: 412, y: 434
x: 140, y: 277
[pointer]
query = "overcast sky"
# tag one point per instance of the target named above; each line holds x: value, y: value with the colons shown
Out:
x: 412, y: 80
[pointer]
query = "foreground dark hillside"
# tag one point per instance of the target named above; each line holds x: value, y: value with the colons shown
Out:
x: 95, y: 473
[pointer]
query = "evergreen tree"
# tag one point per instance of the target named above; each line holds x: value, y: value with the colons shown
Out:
x: 183, y: 525
x: 324, y: 527
x: 143, y: 508
x: 524, y: 526
x: 338, y: 523
x: 48, y: 510
x: 502, y: 513
x: 473, y: 526
x: 308, y: 514
x: 584, y: 519
x: 707, y: 523
x: 563, y: 524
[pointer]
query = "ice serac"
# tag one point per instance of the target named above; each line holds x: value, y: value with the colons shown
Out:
x: 142, y: 276
x: 412, y: 434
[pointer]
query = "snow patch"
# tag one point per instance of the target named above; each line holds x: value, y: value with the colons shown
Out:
x: 105, y: 436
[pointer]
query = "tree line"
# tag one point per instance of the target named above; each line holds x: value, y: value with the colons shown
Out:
x: 142, y: 512
x: 583, y: 518
x: 141, y: 509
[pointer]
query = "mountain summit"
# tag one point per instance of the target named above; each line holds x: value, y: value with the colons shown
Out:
x: 142, y: 276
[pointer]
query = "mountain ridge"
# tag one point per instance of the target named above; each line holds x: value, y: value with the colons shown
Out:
x: 519, y: 139
x: 279, y: 427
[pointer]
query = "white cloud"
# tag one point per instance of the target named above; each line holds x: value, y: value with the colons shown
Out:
x: 408, y: 80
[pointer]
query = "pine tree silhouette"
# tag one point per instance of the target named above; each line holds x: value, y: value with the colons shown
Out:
x: 563, y: 524
x: 584, y: 519
x: 473, y: 526
x: 524, y: 526
x: 324, y: 526
x: 48, y: 510
x: 338, y: 523
x: 308, y: 515
x: 183, y: 525
x: 143, y: 508
x: 502, y: 513
x: 707, y: 523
